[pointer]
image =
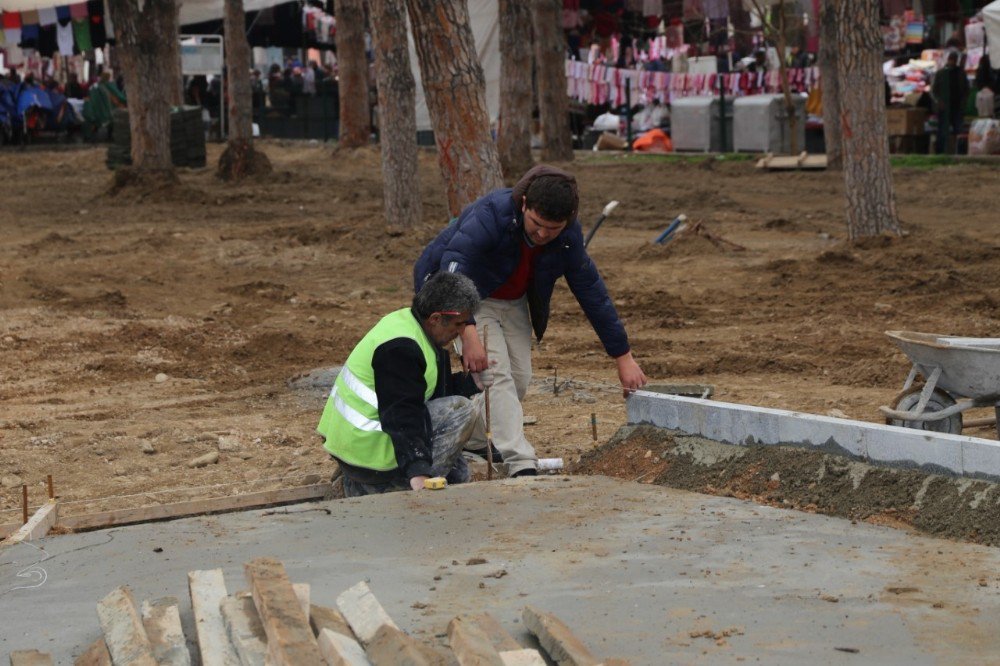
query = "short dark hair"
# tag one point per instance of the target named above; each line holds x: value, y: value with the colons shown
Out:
x: 446, y: 292
x: 552, y: 197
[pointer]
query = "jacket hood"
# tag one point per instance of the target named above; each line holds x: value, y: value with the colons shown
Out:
x: 521, y: 188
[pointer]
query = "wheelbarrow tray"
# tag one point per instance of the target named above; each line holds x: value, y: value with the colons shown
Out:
x: 970, y: 367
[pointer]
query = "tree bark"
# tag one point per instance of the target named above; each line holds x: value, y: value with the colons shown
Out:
x: 871, y: 201
x: 177, y: 89
x: 553, y: 102
x: 829, y: 80
x: 455, y: 89
x: 355, y: 116
x: 781, y: 43
x: 240, y: 159
x: 514, y: 131
x: 397, y: 114
x: 146, y: 40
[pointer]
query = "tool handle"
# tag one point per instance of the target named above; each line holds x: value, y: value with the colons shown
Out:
x: 489, y: 429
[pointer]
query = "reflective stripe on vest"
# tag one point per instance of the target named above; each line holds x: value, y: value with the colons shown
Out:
x: 350, y: 422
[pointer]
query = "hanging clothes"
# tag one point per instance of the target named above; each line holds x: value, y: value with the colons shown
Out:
x: 81, y: 35
x: 78, y: 11
x: 64, y: 37
x: 47, y: 41
x: 98, y: 33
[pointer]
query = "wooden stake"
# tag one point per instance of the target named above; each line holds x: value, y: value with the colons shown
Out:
x: 489, y: 429
x: 52, y: 492
x: 593, y: 426
x: 24, y: 503
x: 555, y: 381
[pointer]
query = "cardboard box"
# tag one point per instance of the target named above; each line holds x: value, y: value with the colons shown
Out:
x: 905, y: 121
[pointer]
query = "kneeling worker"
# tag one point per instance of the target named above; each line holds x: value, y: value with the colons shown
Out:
x: 397, y: 415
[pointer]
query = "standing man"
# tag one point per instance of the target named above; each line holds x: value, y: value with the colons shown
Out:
x: 397, y: 415
x: 950, y: 91
x: 515, y: 244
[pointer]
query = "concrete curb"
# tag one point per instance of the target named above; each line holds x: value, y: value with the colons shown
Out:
x: 745, y: 425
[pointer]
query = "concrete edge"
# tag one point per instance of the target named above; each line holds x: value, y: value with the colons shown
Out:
x: 893, y: 446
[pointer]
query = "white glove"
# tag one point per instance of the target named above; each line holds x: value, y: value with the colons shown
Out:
x: 484, y: 379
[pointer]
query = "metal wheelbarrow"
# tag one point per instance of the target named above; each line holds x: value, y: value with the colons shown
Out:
x: 959, y: 374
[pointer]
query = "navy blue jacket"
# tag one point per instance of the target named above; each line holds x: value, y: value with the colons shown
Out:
x: 484, y: 243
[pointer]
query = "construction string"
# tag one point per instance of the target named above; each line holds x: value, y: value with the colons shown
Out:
x: 172, y: 490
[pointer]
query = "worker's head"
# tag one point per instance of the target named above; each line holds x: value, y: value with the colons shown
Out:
x: 444, y: 305
x: 548, y: 204
x: 952, y: 58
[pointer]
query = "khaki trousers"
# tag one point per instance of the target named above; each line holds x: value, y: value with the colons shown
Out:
x: 509, y: 344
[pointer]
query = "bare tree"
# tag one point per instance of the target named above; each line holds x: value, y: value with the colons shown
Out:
x: 776, y: 32
x: 355, y: 116
x: 871, y: 201
x: 397, y: 114
x: 514, y: 132
x: 146, y: 34
x: 830, y: 85
x: 240, y: 159
x: 455, y: 89
x: 550, y: 60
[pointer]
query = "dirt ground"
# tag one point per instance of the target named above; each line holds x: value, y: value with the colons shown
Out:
x: 138, y: 332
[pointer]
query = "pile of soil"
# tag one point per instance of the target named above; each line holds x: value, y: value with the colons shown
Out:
x: 143, y: 329
x: 797, y: 478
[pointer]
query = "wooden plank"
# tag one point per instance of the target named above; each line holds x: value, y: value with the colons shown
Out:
x: 341, y: 650
x: 30, y: 658
x: 290, y: 641
x: 123, y: 631
x: 145, y: 514
x: 301, y: 591
x: 96, y: 655
x: 522, y: 657
x: 208, y: 589
x: 472, y: 646
x: 245, y: 630
x: 37, y: 526
x: 392, y: 647
x: 162, y: 620
x: 363, y: 612
x: 322, y: 617
x: 499, y: 636
x: 562, y: 645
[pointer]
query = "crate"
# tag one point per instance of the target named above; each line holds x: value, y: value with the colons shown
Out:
x: 905, y: 121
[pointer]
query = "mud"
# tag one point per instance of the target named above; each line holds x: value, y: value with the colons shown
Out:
x: 797, y: 478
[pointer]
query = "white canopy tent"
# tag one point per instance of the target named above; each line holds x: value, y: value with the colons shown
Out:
x: 991, y: 16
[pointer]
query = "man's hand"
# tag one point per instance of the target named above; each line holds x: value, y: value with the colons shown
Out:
x: 417, y: 482
x: 473, y: 352
x: 484, y: 379
x: 630, y: 374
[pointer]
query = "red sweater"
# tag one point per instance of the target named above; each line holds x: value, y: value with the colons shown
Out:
x: 517, y: 284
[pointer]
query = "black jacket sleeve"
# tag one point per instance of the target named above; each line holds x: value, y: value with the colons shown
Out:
x: 399, y: 367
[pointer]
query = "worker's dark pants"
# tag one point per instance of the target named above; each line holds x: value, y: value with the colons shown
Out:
x: 949, y: 124
x: 453, y: 420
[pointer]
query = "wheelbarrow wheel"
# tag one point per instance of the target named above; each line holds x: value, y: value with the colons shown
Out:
x: 939, y: 400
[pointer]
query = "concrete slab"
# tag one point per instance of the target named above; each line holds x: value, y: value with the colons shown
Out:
x: 937, y: 453
x: 651, y: 574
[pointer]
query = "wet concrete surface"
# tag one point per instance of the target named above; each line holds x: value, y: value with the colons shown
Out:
x: 650, y: 574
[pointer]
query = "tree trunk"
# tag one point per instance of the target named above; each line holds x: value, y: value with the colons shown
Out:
x: 455, y: 89
x: 829, y: 80
x: 146, y: 40
x: 177, y: 73
x: 355, y: 116
x: 871, y: 201
x: 781, y: 43
x: 553, y: 102
x: 397, y: 114
x: 239, y: 159
x: 514, y: 131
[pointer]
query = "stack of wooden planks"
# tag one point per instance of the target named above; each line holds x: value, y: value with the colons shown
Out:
x: 275, y: 624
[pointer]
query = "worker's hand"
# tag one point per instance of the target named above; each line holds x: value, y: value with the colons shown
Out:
x: 417, y: 482
x: 473, y: 352
x: 630, y: 374
x: 484, y: 379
